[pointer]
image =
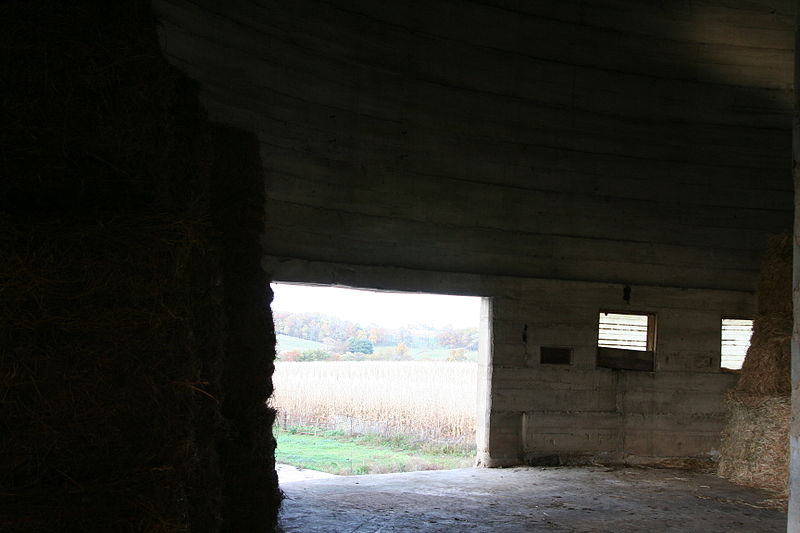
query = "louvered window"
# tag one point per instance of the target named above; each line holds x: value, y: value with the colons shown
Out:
x: 627, y: 331
x: 736, y: 335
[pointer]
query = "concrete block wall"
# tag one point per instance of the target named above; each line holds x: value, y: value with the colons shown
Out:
x: 580, y: 412
x: 577, y: 413
x: 543, y: 154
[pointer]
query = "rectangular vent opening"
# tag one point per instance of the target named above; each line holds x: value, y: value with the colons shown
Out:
x: 552, y: 355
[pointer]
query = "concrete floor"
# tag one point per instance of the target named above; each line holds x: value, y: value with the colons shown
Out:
x: 580, y: 500
x: 289, y: 473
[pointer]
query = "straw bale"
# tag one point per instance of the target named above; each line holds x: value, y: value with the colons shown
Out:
x: 774, y: 291
x: 134, y: 370
x: 755, y: 443
x: 767, y: 366
x: 103, y: 383
x: 134, y: 342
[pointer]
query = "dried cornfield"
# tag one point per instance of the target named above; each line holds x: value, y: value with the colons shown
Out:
x: 429, y: 400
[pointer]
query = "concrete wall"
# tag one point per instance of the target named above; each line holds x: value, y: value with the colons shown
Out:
x: 577, y: 413
x: 616, y: 141
x: 543, y: 154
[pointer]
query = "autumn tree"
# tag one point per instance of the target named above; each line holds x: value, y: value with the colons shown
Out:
x: 290, y: 355
x: 449, y: 338
x: 360, y: 345
x: 459, y: 354
x: 401, y: 352
x: 377, y: 335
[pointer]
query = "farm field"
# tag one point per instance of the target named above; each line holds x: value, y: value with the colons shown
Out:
x: 287, y: 343
x: 374, y: 382
x: 440, y: 354
x: 434, y: 401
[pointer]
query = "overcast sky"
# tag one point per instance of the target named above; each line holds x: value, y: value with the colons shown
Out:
x: 387, y: 309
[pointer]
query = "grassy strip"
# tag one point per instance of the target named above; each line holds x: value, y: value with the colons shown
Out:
x: 336, y: 453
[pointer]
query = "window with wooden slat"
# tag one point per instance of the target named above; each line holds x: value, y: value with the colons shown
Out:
x: 627, y: 331
x: 736, y: 333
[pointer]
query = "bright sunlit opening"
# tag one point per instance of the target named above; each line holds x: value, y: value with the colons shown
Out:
x: 374, y: 382
x: 736, y: 335
x: 386, y: 309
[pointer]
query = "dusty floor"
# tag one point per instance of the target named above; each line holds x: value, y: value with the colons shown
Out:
x: 516, y: 500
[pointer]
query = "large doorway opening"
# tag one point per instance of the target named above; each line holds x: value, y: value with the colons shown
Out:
x: 370, y: 382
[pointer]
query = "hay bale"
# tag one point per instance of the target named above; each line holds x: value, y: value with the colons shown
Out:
x: 755, y: 443
x: 135, y: 349
x: 103, y: 384
x: 774, y: 289
x: 767, y: 367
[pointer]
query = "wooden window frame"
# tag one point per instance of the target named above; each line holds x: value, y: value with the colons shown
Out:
x: 624, y: 359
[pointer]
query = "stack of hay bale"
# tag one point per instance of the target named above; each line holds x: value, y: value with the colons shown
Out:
x: 136, y: 341
x: 755, y: 443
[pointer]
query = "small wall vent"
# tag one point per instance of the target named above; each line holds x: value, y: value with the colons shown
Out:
x: 552, y: 355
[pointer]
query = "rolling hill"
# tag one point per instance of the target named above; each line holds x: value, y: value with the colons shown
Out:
x: 287, y: 343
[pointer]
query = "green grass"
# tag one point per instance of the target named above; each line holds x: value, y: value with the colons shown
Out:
x: 335, y: 453
x: 287, y: 343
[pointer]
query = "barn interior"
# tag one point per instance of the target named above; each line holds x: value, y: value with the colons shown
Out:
x: 163, y: 162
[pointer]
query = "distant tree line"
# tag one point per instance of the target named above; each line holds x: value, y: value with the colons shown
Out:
x: 339, y: 333
x: 317, y: 327
x: 348, y: 341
